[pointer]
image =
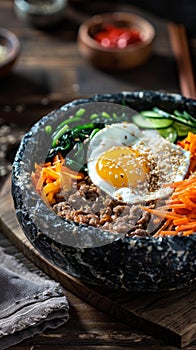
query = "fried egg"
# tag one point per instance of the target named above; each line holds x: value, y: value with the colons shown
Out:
x: 134, y: 166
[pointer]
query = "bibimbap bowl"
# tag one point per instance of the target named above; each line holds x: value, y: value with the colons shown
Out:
x: 81, y: 228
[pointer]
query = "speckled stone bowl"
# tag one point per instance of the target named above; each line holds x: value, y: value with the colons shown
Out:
x: 134, y: 264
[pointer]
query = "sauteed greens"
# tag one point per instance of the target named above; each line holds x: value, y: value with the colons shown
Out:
x: 72, y: 141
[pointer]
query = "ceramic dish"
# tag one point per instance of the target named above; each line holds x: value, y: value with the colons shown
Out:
x: 9, y: 51
x: 118, y: 58
x: 130, y: 263
x: 43, y: 13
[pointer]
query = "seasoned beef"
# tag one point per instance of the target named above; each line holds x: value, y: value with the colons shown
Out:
x: 87, y: 204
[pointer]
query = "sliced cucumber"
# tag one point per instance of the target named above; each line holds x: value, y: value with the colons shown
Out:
x: 151, y: 114
x: 151, y: 123
x: 169, y: 134
x: 183, y: 130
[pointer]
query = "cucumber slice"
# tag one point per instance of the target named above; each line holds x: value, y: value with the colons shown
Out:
x: 183, y: 130
x: 169, y: 134
x: 151, y: 123
x: 151, y: 114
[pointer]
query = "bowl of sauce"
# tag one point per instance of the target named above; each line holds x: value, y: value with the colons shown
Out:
x: 116, y: 41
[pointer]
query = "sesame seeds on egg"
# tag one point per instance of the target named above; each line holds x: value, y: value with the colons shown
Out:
x: 134, y: 165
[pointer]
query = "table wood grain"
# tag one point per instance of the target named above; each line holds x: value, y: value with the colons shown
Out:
x: 50, y: 70
x: 49, y: 73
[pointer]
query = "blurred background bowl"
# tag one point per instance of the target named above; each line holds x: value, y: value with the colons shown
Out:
x: 9, y: 51
x: 131, y: 56
x: 40, y: 13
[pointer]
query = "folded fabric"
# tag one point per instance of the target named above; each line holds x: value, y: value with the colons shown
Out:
x: 29, y: 302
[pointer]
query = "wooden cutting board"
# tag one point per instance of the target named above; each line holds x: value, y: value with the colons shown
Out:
x: 170, y: 315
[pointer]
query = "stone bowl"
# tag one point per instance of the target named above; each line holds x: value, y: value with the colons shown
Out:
x: 128, y: 263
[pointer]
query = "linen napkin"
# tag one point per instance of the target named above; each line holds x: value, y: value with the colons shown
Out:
x: 29, y: 302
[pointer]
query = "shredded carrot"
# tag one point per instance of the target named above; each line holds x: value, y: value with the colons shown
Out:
x: 189, y: 144
x: 169, y: 232
x: 162, y: 214
x: 187, y: 233
x: 56, y: 158
x: 165, y: 226
x: 72, y: 174
x: 38, y: 167
x: 40, y: 182
x: 47, y: 164
x: 49, y: 178
x: 177, y: 206
x: 182, y: 221
x: 180, y: 209
x: 48, y: 181
x: 52, y: 187
x: 191, y: 225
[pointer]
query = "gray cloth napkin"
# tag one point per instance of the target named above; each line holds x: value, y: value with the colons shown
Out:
x: 29, y: 303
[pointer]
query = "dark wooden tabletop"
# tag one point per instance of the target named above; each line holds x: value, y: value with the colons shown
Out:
x: 49, y: 73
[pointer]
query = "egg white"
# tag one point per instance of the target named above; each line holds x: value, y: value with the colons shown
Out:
x: 172, y: 161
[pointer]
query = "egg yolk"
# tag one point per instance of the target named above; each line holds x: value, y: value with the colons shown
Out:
x: 122, y: 167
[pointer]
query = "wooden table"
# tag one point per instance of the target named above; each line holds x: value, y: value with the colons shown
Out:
x: 49, y: 73
x: 50, y: 70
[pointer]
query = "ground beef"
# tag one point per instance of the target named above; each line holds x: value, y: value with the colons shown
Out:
x: 87, y: 204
